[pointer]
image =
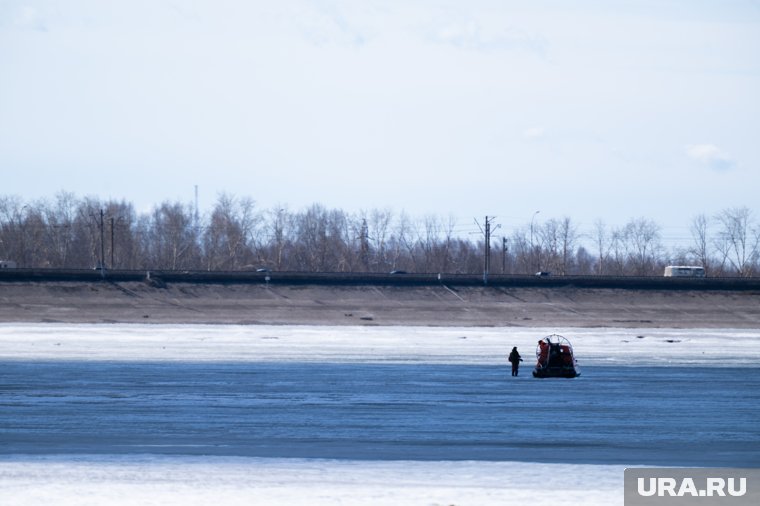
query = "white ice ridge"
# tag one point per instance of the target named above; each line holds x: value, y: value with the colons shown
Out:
x: 190, y: 481
x: 455, y: 345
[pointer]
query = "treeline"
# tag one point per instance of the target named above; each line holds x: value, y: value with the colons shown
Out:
x: 71, y: 232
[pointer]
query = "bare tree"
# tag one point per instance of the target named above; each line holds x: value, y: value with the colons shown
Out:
x: 277, y: 227
x: 584, y: 262
x: 446, y: 257
x: 71, y: 232
x: 404, y: 254
x: 123, y: 247
x: 173, y: 241
x: 378, y: 230
x: 323, y: 240
x: 549, y: 245
x: 34, y: 231
x: 87, y: 232
x: 701, y: 243
x: 557, y: 239
x: 13, y: 231
x: 568, y: 234
x: 643, y: 236
x: 617, y: 258
x: 343, y: 241
x: 602, y: 246
x: 521, y: 249
x: 228, y: 236
x: 737, y: 242
x: 60, y: 218
x: 428, y: 232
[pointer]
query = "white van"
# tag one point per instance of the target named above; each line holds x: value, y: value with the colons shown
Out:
x: 7, y: 264
x: 684, y: 271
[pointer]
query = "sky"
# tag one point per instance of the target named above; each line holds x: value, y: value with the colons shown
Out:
x: 592, y: 109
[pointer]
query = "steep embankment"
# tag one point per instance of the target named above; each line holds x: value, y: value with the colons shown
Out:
x: 141, y: 302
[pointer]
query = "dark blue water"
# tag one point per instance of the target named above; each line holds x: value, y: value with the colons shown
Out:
x: 676, y: 416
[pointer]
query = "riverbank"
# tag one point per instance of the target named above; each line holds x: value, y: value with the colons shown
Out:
x: 281, y: 304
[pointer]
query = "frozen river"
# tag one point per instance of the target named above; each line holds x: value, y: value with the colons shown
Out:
x: 129, y: 414
x: 670, y: 416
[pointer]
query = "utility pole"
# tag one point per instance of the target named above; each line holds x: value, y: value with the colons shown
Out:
x: 102, y: 248
x: 503, y: 255
x: 486, y: 229
x: 112, y: 223
x: 487, y: 255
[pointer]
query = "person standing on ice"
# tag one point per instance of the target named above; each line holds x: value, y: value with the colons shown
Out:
x: 514, y: 359
x: 543, y: 354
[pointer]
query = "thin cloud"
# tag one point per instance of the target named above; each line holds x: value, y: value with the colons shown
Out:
x: 29, y: 18
x: 711, y: 156
x: 534, y: 133
x: 472, y: 35
x: 330, y: 27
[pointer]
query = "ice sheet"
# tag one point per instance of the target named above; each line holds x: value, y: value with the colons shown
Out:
x: 716, y: 347
x: 189, y: 480
x: 170, y: 481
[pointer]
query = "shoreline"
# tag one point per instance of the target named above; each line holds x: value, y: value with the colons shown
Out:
x: 435, y: 306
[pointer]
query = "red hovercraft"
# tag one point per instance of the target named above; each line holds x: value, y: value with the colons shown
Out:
x: 555, y: 358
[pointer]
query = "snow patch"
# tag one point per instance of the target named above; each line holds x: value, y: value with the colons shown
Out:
x: 188, y: 481
x: 450, y: 345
